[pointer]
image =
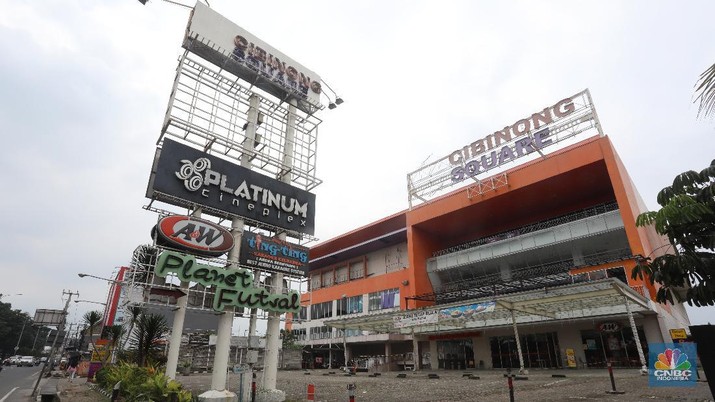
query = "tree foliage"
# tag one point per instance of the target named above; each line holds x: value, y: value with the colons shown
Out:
x: 705, y: 92
x: 148, y: 331
x: 686, y: 272
x: 11, y: 323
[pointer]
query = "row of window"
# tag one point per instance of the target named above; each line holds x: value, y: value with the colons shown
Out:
x: 352, y: 271
x: 381, y: 300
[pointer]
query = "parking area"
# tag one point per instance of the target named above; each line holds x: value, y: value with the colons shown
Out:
x: 478, y: 385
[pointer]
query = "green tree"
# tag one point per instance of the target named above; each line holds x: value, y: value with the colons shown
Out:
x: 149, y: 330
x: 705, y: 92
x: 686, y: 271
x: 92, y: 320
x: 134, y: 313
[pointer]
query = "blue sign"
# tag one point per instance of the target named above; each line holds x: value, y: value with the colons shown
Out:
x: 672, y: 364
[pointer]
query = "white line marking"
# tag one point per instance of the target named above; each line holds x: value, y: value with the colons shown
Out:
x: 545, y: 385
x: 8, y: 394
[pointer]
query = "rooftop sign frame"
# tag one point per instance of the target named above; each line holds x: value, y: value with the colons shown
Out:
x: 555, y: 127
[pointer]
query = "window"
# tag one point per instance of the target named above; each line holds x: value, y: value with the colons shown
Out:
x: 328, y: 278
x: 357, y: 270
x: 384, y: 299
x: 321, y: 310
x: 302, y: 314
x: 315, y: 281
x: 320, y: 333
x: 299, y: 334
x: 350, y: 305
x: 341, y: 274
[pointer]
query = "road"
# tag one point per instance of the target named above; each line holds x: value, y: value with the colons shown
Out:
x: 16, y: 383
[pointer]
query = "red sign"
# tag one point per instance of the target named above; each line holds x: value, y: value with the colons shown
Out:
x: 193, y: 235
x: 609, y: 327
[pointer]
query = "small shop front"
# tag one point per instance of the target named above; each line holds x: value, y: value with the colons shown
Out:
x: 611, y: 342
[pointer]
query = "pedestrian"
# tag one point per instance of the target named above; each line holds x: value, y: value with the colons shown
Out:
x: 72, y: 371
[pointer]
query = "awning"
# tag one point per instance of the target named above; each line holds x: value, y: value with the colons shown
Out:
x: 598, y: 299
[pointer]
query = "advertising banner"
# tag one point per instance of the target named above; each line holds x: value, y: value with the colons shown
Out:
x: 466, y: 312
x: 48, y: 317
x: 184, y: 175
x: 273, y: 254
x: 223, y: 43
x: 416, y: 318
x: 672, y: 364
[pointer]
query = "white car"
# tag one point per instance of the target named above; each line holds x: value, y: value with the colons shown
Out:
x: 26, y: 361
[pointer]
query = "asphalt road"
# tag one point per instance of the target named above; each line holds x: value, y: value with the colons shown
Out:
x: 16, y: 383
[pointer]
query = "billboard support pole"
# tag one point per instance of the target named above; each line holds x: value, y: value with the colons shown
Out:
x: 270, y: 370
x: 177, y: 327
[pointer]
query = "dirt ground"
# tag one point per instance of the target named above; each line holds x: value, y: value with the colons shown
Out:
x: 541, y: 385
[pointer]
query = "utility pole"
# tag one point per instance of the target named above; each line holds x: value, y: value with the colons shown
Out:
x: 60, y: 328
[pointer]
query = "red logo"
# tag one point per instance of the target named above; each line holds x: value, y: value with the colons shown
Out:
x: 194, y: 235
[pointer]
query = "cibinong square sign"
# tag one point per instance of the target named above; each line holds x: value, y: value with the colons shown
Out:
x: 223, y: 43
x: 183, y: 175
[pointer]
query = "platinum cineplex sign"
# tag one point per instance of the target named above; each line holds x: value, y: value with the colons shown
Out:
x: 183, y: 175
x: 273, y: 254
x: 234, y: 287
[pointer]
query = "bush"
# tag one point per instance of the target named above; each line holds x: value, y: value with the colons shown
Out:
x: 140, y: 383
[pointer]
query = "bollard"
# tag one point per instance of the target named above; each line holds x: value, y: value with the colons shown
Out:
x: 311, y: 392
x: 613, y: 381
x: 115, y: 391
x: 510, y: 383
x: 351, y: 392
x: 253, y: 388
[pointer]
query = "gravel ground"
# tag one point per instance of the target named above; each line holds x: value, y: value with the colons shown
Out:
x: 453, y: 386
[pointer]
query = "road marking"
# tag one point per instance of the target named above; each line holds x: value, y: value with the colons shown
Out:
x: 8, y: 394
x: 545, y: 385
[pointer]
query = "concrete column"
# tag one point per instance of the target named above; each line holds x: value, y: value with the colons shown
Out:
x: 505, y: 271
x: 270, y: 370
x: 177, y: 327
x: 416, y: 352
x: 433, y: 355
x: 388, y: 354
x: 482, y: 351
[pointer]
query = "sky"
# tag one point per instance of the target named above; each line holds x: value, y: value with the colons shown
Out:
x: 85, y: 86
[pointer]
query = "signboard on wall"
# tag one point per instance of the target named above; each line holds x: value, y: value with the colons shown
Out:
x: 183, y: 175
x: 273, y: 254
x: 225, y: 44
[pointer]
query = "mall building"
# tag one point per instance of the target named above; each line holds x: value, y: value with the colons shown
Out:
x: 527, y: 268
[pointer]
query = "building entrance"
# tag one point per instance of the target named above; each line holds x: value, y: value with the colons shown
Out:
x: 455, y: 354
x: 538, y: 350
x: 617, y: 347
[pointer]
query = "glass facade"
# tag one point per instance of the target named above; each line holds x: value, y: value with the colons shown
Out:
x: 538, y: 351
x: 455, y: 355
x: 615, y: 347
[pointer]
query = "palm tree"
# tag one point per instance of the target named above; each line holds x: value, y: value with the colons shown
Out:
x: 134, y: 313
x: 705, y: 92
x: 150, y: 328
x: 114, y: 333
x: 92, y: 319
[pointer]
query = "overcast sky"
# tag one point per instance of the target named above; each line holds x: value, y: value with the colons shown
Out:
x: 85, y: 87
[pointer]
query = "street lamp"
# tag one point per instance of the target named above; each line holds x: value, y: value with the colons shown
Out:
x: 90, y: 301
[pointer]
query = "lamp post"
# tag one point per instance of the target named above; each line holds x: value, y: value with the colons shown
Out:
x: 22, y: 331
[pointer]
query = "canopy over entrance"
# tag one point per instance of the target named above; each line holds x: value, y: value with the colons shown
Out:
x: 607, y: 297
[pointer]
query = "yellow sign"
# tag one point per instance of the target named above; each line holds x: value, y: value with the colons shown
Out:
x: 570, y: 358
x: 678, y: 333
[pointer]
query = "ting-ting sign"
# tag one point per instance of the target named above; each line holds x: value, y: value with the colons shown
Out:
x: 273, y: 254
x: 196, y: 236
x: 184, y: 176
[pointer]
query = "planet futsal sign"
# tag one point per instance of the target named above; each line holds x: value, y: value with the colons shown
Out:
x: 185, y: 176
x: 234, y: 287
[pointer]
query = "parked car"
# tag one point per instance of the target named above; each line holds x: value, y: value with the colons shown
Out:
x: 28, y: 361
x: 11, y: 360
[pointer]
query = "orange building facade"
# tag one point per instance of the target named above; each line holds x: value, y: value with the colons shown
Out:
x: 532, y: 273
